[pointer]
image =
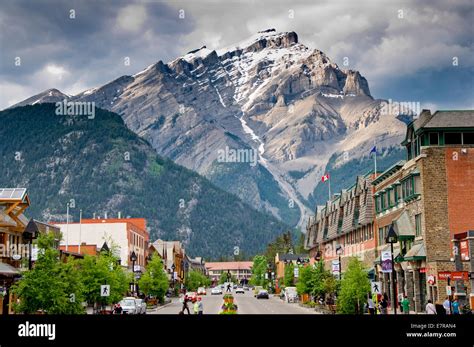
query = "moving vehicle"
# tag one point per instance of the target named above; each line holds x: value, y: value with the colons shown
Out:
x: 129, y: 305
x: 263, y: 294
x: 201, y: 291
x: 191, y: 296
x: 239, y: 290
x: 141, y: 306
x: 246, y: 288
x: 216, y: 291
x: 291, y: 295
x: 256, y: 289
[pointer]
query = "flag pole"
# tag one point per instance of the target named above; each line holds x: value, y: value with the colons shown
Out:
x: 329, y: 185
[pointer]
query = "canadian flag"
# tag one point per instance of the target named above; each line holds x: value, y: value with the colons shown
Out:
x: 325, y: 177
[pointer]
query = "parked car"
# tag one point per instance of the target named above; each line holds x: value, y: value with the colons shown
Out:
x: 129, y: 305
x: 216, y: 291
x: 201, y: 291
x: 262, y: 294
x: 291, y: 295
x: 246, y: 288
x: 256, y: 289
x: 240, y: 290
x: 141, y: 306
x: 235, y: 286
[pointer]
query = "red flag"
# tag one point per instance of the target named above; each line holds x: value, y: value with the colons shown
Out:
x: 325, y: 177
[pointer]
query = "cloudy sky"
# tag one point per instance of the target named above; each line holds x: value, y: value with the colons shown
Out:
x: 408, y: 50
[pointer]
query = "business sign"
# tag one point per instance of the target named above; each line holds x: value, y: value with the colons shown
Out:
x: 297, y: 271
x: 386, y: 262
x: 431, y: 279
x: 454, y: 275
x: 137, y: 268
x: 335, y: 267
x: 464, y: 246
x: 175, y: 275
x: 376, y: 287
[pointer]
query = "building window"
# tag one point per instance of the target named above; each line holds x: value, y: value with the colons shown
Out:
x: 434, y: 139
x: 468, y: 138
x: 381, y: 236
x: 418, y: 224
x: 452, y: 139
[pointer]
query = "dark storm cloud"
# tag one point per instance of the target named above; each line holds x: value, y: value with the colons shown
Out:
x: 408, y: 58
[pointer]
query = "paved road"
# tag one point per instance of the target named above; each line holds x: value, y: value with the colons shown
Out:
x: 247, y: 304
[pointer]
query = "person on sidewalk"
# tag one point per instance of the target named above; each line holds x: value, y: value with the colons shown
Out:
x: 200, y: 306
x: 447, y: 305
x: 456, y: 309
x: 370, y: 304
x: 406, y: 305
x: 430, y: 308
x: 383, y: 305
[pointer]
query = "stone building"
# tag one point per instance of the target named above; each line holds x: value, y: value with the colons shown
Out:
x: 427, y: 198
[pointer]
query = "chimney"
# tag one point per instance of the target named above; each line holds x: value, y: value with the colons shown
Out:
x: 105, y: 215
x: 119, y: 215
x: 93, y: 215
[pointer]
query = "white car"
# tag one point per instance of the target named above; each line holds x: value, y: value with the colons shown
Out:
x: 239, y: 290
x: 216, y: 291
x: 129, y: 306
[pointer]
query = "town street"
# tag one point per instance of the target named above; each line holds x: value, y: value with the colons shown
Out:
x: 247, y: 304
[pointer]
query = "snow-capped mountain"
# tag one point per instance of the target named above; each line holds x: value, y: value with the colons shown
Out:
x: 289, y: 104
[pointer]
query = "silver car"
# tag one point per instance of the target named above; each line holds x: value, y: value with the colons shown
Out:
x: 141, y: 306
x: 129, y: 306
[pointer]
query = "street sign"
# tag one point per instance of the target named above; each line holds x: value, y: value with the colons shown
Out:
x: 376, y: 287
x: 448, y: 291
x: 105, y: 290
x: 386, y: 258
x: 137, y: 268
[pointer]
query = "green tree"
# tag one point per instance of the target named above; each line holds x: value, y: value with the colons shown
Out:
x: 154, y: 281
x: 49, y: 285
x: 195, y: 279
x: 305, y: 280
x: 289, y: 276
x: 354, y: 288
x: 104, y: 269
x: 259, y: 268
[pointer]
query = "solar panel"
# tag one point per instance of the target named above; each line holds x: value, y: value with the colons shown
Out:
x: 12, y: 193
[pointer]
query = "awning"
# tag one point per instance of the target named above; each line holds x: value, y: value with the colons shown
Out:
x: 417, y: 252
x: 404, y: 227
x: 8, y: 270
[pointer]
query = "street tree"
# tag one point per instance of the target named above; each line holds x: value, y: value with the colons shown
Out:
x: 289, y: 276
x: 259, y: 268
x: 51, y: 286
x: 100, y: 270
x: 355, y: 285
x: 154, y: 281
x: 195, y: 279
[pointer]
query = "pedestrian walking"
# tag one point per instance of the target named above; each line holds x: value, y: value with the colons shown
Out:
x: 118, y: 309
x: 447, y: 305
x: 406, y: 305
x: 430, y: 308
x: 229, y: 288
x: 383, y: 304
x: 195, y: 306
x: 370, y: 305
x: 200, y: 306
x: 455, y: 306
x: 185, y: 305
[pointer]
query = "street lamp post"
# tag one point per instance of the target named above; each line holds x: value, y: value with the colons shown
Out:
x: 339, y: 250
x: 31, y: 231
x: 133, y: 259
x: 172, y: 274
x: 67, y: 226
x: 392, y: 238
